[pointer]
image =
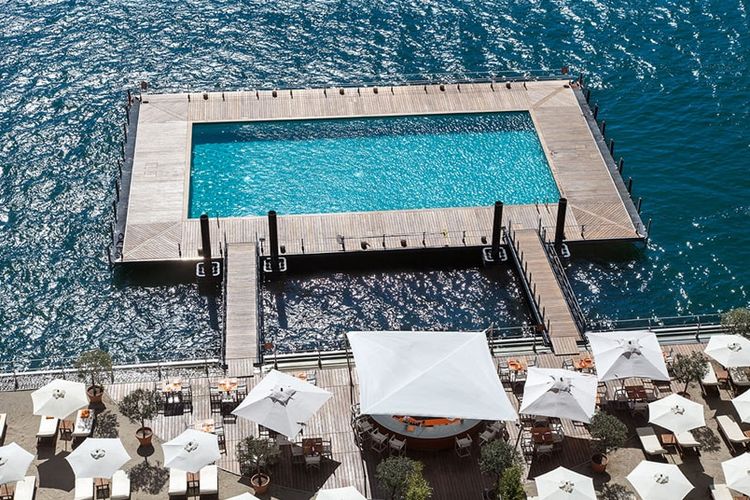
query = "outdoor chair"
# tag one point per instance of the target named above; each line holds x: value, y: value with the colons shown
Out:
x: 312, y: 462
x: 298, y: 454
x: 177, y: 483
x: 486, y: 436
x: 221, y: 438
x: 84, y: 488
x: 732, y: 432
x: 379, y: 441
x: 527, y: 445
x: 532, y: 362
x: 463, y: 446
x: 66, y: 430
x: 397, y: 446
x: 241, y: 392
x: 544, y: 450
x: 215, y: 401
x: 312, y: 377
x: 25, y: 489
x: 663, y: 387
x: 519, y: 377
x: 209, y: 481
x: 686, y: 441
x: 47, y: 429
x: 720, y: 492
x: 120, y: 486
x: 650, y: 441
x: 327, y: 450
x: 567, y: 364
x: 187, y: 398
x: 638, y: 409
x: 503, y: 371
x: 669, y: 357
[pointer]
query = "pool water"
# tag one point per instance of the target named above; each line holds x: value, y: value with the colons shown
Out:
x: 355, y: 165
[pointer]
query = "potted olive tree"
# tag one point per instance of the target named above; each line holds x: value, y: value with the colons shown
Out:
x: 689, y: 368
x: 510, y: 486
x: 93, y: 366
x: 255, y: 456
x: 497, y: 456
x: 401, y: 477
x: 737, y: 321
x: 609, y: 433
x: 139, y: 406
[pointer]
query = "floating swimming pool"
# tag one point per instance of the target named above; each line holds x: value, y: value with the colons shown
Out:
x: 366, y: 164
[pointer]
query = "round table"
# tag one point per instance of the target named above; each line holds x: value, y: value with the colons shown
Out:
x: 422, y: 437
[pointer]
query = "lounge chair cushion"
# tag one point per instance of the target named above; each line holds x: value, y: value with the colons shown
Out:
x: 120, y: 486
x: 721, y: 492
x: 25, y: 488
x: 177, y: 482
x: 731, y: 430
x: 209, y: 480
x: 686, y: 439
x: 3, y: 418
x: 47, y: 427
x: 84, y: 488
x: 650, y: 441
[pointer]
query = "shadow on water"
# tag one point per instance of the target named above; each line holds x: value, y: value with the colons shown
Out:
x: 154, y: 275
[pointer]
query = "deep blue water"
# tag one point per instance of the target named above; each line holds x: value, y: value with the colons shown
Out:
x: 670, y: 77
x: 360, y: 165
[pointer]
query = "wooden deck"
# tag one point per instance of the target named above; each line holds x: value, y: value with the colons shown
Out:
x: 562, y: 329
x: 157, y: 227
x: 241, y: 342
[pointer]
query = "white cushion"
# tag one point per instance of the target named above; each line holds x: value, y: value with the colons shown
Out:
x: 731, y: 430
x: 721, y: 492
x: 686, y: 439
x: 177, y: 482
x: 120, y: 486
x: 650, y: 441
x: 48, y: 428
x: 209, y: 480
x: 84, y: 488
x: 25, y: 488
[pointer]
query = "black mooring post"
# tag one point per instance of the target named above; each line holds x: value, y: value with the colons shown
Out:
x: 497, y: 227
x: 206, y: 238
x: 273, y: 237
x: 562, y: 206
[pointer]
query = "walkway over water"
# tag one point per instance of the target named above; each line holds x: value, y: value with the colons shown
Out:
x: 241, y: 339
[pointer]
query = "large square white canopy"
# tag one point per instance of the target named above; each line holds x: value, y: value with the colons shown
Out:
x: 435, y: 374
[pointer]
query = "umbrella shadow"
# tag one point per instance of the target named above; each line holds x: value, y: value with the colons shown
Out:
x: 614, y: 491
x: 56, y: 473
x: 106, y: 425
x: 708, y: 439
x: 149, y: 478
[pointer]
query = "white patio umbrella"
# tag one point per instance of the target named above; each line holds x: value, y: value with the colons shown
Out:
x: 742, y: 405
x: 59, y: 398
x: 620, y: 355
x: 658, y: 481
x: 730, y: 351
x: 14, y: 462
x: 347, y: 493
x: 676, y: 413
x: 191, y: 451
x: 552, y: 392
x: 282, y: 403
x: 98, y: 457
x: 244, y: 496
x: 565, y: 484
x: 737, y: 473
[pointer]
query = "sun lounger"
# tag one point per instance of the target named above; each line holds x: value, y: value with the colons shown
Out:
x: 709, y: 380
x: 720, y: 492
x: 3, y: 418
x: 731, y: 431
x: 120, y: 486
x: 650, y: 441
x: 84, y: 488
x: 177, y: 483
x: 686, y: 440
x: 209, y: 480
x: 47, y: 428
x: 25, y: 489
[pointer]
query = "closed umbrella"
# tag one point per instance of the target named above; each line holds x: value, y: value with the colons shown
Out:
x: 742, y: 405
x: 191, y: 451
x: 282, y: 403
x: 737, y: 473
x: 347, y: 493
x: 98, y: 457
x: 552, y: 392
x: 564, y: 484
x: 59, y: 398
x: 730, y: 351
x: 676, y: 413
x: 14, y: 462
x: 621, y: 355
x: 658, y: 481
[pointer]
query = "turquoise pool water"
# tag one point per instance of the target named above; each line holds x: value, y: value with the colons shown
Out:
x: 354, y: 165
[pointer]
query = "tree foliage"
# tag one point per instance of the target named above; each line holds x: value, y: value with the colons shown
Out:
x: 401, y: 477
x: 608, y: 431
x: 737, y: 321
x: 140, y: 405
x: 496, y: 456
x: 688, y: 368
x: 510, y: 486
x: 254, y: 454
x: 417, y: 487
x: 94, y: 366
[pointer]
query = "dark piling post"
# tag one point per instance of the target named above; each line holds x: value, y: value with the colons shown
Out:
x: 562, y: 207
x: 630, y: 185
x: 206, y: 239
x: 273, y: 237
x: 619, y: 165
x: 612, y: 147
x: 497, y: 227
x: 604, y: 127
x: 596, y: 111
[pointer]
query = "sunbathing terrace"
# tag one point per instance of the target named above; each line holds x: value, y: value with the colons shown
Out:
x: 451, y: 477
x: 152, y: 223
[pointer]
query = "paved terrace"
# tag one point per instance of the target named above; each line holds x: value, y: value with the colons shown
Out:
x: 451, y: 477
x: 157, y: 226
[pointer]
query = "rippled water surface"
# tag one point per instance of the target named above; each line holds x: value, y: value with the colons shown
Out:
x: 670, y: 77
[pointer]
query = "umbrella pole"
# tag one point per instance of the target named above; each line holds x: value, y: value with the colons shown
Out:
x: 349, y: 367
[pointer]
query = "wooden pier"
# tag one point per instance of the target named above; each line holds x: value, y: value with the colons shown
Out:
x: 158, y: 228
x: 241, y: 329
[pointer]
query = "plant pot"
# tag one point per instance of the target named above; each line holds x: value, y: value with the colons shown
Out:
x: 95, y: 393
x: 599, y: 462
x: 260, y: 483
x: 144, y: 435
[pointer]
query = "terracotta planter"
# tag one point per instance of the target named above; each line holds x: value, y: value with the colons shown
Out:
x: 95, y: 393
x: 144, y: 435
x: 599, y: 462
x: 260, y: 483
